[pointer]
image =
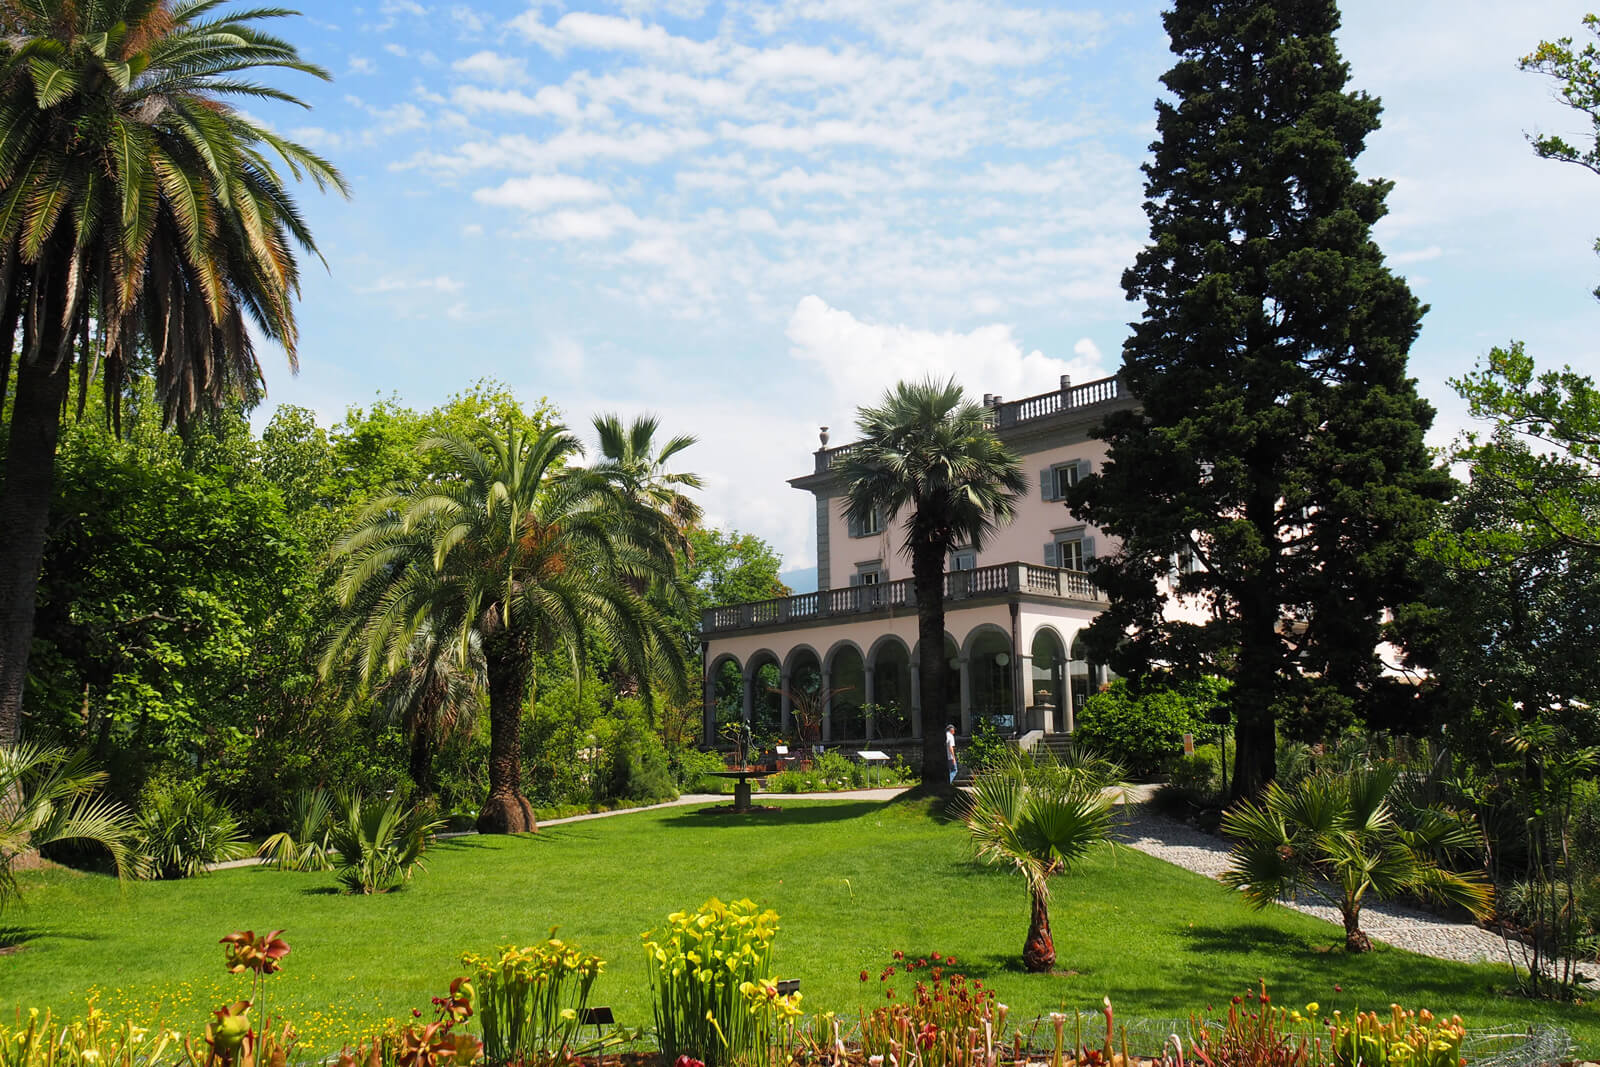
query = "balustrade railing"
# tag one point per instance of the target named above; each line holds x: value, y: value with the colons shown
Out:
x: 1010, y: 413
x: 1003, y: 579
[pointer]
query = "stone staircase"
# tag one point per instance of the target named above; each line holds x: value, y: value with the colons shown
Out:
x: 1056, y: 744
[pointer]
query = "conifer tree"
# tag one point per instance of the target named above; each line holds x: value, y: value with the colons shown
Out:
x: 1276, y: 471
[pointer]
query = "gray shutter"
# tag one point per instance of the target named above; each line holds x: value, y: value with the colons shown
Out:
x: 1085, y: 467
x: 854, y: 526
x: 1052, y: 554
x: 1047, y: 484
x: 855, y: 579
x: 1088, y: 551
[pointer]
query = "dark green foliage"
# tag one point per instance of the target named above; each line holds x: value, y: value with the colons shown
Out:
x: 1280, y: 440
x: 183, y: 828
x: 1143, y: 728
x: 987, y: 748
x: 580, y: 751
x: 1197, y: 771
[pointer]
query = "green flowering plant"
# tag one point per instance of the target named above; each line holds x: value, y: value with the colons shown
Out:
x: 712, y: 991
x: 38, y: 1042
x: 1403, y: 1039
x: 530, y: 1001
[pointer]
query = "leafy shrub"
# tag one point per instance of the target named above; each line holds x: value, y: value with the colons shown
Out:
x: 710, y: 987
x: 379, y: 843
x: 690, y: 767
x: 986, y: 750
x: 792, y: 782
x: 182, y: 829
x: 1196, y: 772
x: 1144, y: 730
x: 530, y: 1000
x: 836, y: 770
x: 304, y: 846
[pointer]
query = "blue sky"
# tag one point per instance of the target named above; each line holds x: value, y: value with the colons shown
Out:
x: 750, y: 217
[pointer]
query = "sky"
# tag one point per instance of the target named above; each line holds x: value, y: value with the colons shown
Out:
x: 751, y: 217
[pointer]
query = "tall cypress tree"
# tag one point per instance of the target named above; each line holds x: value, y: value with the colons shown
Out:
x: 1279, y: 446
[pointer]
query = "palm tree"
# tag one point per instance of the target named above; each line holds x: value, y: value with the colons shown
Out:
x: 48, y: 795
x: 142, y: 223
x: 1338, y: 836
x: 628, y: 457
x: 928, y: 451
x: 639, y: 474
x: 519, y: 550
x: 1040, y: 820
x: 433, y: 696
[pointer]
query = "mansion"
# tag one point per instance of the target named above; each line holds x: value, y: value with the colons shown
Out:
x: 840, y: 665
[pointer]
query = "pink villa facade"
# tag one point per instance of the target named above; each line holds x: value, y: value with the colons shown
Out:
x: 1014, y: 612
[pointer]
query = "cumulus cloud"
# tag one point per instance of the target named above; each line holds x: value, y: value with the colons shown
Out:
x: 860, y: 359
x: 394, y: 284
x: 491, y: 66
x: 538, y: 192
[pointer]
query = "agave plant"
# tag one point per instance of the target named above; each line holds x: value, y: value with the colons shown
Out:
x: 304, y: 846
x: 47, y: 795
x: 1338, y: 836
x: 379, y: 842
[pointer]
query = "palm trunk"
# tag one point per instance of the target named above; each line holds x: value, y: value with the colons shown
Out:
x: 927, y: 575
x: 422, y: 761
x: 1039, y: 951
x: 508, y: 662
x: 1354, y: 939
x: 30, y: 466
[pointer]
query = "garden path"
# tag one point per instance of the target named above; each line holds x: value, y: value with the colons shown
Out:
x: 1401, y: 926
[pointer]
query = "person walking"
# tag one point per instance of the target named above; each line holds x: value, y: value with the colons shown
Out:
x: 950, y: 750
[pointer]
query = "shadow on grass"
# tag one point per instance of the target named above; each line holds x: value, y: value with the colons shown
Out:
x: 789, y: 813
x: 16, y: 938
x: 941, y: 803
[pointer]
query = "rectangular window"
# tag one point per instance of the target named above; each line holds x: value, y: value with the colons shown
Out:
x: 964, y: 559
x: 1069, y: 550
x: 871, y: 526
x: 1056, y: 480
x: 871, y: 577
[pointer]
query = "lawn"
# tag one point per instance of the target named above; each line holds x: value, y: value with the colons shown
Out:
x: 852, y: 880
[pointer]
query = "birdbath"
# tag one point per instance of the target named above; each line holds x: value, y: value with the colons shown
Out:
x: 741, y: 791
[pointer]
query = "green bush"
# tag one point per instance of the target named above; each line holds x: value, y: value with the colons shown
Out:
x: 304, y: 846
x: 1198, y: 772
x: 836, y: 770
x: 986, y: 750
x: 379, y: 843
x: 1144, y: 731
x: 182, y: 828
x: 690, y: 767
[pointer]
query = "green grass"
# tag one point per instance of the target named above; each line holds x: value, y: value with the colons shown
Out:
x: 852, y: 880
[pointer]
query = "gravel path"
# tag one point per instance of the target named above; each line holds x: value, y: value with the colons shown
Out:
x: 1403, y: 927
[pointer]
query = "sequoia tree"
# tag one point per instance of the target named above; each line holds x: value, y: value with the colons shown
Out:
x: 1275, y: 471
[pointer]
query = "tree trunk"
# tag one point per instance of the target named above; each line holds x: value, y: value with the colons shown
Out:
x: 508, y: 662
x: 927, y: 575
x: 1255, y: 684
x: 1354, y: 939
x: 1039, y: 951
x: 24, y: 514
x: 422, y: 760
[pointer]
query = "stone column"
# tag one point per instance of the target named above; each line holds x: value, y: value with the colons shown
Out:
x: 966, y: 696
x: 708, y: 725
x: 868, y: 691
x: 749, y: 697
x: 1024, y: 691
x: 785, y: 705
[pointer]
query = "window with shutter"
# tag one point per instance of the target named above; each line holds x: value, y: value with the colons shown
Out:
x: 1047, y: 484
x: 1069, y: 550
x: 1052, y: 554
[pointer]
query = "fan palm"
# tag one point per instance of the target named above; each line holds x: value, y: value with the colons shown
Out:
x: 141, y: 215
x: 928, y: 452
x: 48, y: 795
x: 1338, y: 836
x: 514, y: 548
x: 1041, y: 825
x: 432, y: 697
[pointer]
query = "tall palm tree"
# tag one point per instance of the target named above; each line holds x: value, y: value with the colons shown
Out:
x: 432, y: 697
x: 928, y: 452
x: 1338, y: 836
x: 517, y: 549
x: 1040, y: 820
x: 49, y: 795
x: 638, y: 473
x: 142, y: 221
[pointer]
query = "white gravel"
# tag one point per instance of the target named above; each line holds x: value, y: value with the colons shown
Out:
x: 1398, y: 925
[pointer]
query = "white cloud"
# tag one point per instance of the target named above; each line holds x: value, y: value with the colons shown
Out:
x: 493, y: 67
x: 1418, y: 255
x: 537, y: 192
x: 550, y: 100
x: 608, y: 33
x: 591, y: 225
x: 860, y: 359
x: 1088, y: 351
x: 472, y: 229
x: 565, y: 355
x: 362, y: 65
x: 469, y: 21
